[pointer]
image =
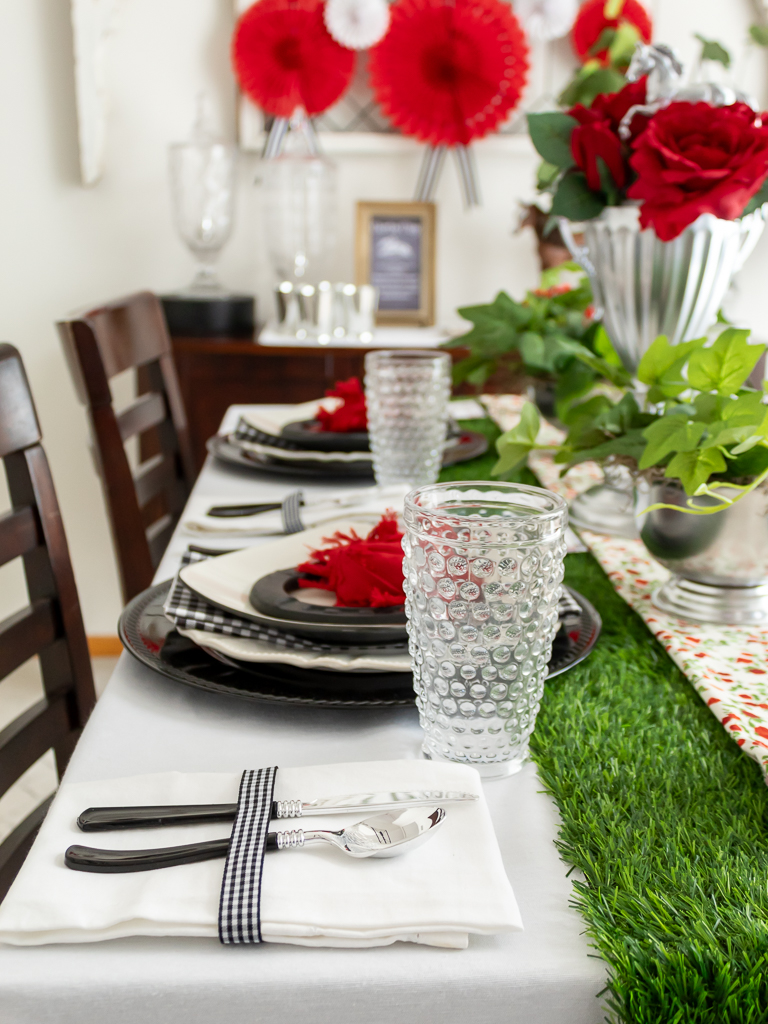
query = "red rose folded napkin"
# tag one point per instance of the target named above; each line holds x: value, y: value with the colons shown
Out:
x: 351, y: 415
x: 363, y: 572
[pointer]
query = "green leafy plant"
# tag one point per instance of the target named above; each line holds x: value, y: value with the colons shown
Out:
x: 549, y: 336
x: 700, y: 423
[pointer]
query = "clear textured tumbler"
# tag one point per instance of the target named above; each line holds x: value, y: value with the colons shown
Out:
x: 407, y: 398
x: 483, y: 567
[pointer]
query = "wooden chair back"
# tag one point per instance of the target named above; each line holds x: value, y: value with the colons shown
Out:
x: 51, y: 626
x: 143, y: 506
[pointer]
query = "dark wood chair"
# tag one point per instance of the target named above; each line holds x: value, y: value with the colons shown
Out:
x: 144, y: 506
x: 51, y: 626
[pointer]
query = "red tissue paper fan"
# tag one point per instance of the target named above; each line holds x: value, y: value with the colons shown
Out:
x: 284, y: 57
x: 595, y: 16
x: 448, y: 73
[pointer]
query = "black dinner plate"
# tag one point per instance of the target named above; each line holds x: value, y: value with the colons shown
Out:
x: 469, y: 446
x: 308, y: 435
x: 278, y: 594
x: 151, y: 638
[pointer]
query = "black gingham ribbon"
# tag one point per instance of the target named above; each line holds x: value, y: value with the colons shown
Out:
x: 240, y: 901
x: 290, y: 511
x: 245, y: 431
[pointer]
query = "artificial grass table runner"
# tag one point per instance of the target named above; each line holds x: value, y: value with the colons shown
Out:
x: 661, y: 813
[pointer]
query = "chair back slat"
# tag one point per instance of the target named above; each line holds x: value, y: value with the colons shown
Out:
x: 29, y: 736
x: 24, y: 634
x: 51, y: 626
x: 146, y: 412
x: 100, y: 343
x: 18, y: 534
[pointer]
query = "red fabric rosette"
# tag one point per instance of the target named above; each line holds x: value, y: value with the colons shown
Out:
x: 591, y: 22
x: 284, y: 57
x: 363, y: 572
x: 449, y: 73
x: 352, y: 415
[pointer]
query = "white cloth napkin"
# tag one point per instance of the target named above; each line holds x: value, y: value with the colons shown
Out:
x: 320, y: 508
x: 244, y: 649
x: 452, y: 885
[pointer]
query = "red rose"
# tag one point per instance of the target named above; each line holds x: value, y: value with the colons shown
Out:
x: 591, y: 22
x: 593, y: 140
x: 693, y: 159
x: 614, y: 105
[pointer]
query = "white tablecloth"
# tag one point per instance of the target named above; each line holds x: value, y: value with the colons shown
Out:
x: 145, y: 723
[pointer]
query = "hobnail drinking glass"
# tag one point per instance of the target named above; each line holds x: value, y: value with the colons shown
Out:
x: 483, y: 567
x: 407, y: 399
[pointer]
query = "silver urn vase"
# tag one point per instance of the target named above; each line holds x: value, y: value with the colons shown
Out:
x: 645, y: 287
x: 719, y: 561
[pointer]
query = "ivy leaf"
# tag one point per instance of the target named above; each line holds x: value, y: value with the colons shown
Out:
x: 712, y: 50
x: 615, y: 374
x: 670, y: 434
x: 515, y: 445
x: 603, y: 347
x: 759, y: 34
x: 662, y: 365
x: 533, y: 350
x: 694, y: 468
x: 630, y: 445
x: 574, y: 198
x: 723, y: 435
x: 726, y: 365
x: 551, y: 135
x: 746, y: 409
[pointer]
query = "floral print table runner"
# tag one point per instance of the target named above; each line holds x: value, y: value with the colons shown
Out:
x: 727, y: 665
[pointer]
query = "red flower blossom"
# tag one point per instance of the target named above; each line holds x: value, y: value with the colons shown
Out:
x: 284, y: 57
x: 591, y: 22
x: 693, y: 159
x: 352, y: 414
x: 449, y: 73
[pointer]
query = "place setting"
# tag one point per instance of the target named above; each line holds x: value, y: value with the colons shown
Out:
x: 327, y: 437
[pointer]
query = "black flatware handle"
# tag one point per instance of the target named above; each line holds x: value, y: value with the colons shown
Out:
x: 103, y: 819
x: 233, y: 511
x: 112, y: 862
x: 84, y: 858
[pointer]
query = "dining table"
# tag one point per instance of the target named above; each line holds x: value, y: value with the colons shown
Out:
x: 146, y: 723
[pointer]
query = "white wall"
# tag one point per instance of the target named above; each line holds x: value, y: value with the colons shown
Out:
x: 65, y: 246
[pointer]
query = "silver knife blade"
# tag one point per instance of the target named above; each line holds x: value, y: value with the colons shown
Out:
x: 369, y: 802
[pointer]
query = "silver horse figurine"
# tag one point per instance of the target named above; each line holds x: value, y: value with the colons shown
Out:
x: 665, y: 74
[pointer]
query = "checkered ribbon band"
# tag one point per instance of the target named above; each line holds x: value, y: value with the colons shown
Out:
x: 189, y: 611
x: 240, y: 901
x: 291, y: 512
x: 245, y: 431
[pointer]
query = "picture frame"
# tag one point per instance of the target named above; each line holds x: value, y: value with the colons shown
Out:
x: 395, y: 251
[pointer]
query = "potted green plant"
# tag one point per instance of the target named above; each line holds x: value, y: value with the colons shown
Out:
x: 550, y: 340
x: 695, y: 438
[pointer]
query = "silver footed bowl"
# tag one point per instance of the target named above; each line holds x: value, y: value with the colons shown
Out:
x: 719, y: 561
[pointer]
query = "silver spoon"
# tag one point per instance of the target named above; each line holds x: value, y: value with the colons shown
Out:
x: 383, y: 835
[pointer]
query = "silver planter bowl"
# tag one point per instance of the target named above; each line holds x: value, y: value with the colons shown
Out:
x: 719, y: 561
x: 645, y: 287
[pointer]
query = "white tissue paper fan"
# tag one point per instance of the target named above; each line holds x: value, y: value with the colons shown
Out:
x: 357, y: 24
x: 545, y: 20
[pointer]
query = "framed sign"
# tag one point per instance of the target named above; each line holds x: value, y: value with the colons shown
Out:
x: 395, y: 251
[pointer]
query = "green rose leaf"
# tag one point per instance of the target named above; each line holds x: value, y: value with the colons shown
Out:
x: 726, y: 365
x: 760, y: 197
x: 574, y: 198
x: 712, y: 50
x: 514, y: 445
x: 551, y: 135
x: 694, y: 468
x: 759, y: 34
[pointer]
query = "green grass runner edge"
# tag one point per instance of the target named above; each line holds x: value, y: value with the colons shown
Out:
x: 662, y: 815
